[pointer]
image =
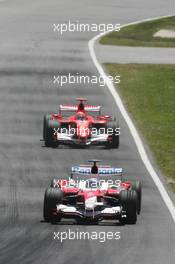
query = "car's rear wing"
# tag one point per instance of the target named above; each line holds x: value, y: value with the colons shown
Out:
x: 74, y: 108
x: 102, y: 170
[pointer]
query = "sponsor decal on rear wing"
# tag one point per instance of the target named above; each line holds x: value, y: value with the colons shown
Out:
x: 92, y: 108
x: 72, y: 108
x: 101, y: 170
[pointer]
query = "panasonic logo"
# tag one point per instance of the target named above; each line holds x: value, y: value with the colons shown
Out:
x: 85, y: 170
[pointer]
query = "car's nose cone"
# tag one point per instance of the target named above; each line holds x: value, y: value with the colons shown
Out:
x: 90, y: 203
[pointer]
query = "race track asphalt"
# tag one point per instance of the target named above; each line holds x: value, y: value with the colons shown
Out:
x: 30, y: 54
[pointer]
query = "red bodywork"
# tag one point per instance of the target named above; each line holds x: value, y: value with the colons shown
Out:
x: 84, y: 126
x: 65, y: 186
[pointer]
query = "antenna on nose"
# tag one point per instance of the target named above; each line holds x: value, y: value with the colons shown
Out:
x: 94, y: 168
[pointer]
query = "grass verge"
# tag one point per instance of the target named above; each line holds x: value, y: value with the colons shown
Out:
x: 148, y: 91
x: 142, y: 34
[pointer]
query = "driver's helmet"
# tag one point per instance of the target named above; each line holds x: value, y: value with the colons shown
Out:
x: 80, y: 116
x: 92, y: 183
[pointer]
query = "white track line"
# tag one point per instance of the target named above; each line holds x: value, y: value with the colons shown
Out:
x: 129, y: 122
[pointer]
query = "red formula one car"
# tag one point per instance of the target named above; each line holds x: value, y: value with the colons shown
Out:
x: 93, y: 193
x: 85, y: 127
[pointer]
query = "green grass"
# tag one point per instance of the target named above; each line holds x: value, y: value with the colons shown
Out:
x: 142, y: 34
x: 148, y: 91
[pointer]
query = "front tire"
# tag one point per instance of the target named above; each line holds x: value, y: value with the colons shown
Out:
x: 51, y: 126
x: 114, y: 138
x: 52, y: 197
x: 136, y: 186
x: 45, y: 120
x: 128, y: 200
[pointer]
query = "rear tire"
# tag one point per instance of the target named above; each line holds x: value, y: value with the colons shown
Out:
x: 128, y: 200
x: 52, y: 197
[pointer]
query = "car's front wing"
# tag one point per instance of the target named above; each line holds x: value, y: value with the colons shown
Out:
x: 65, y: 211
x: 69, y: 139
